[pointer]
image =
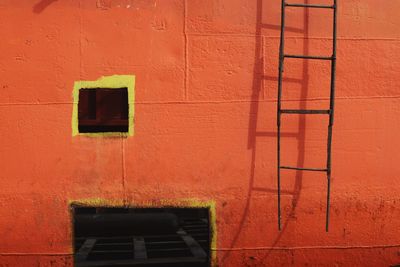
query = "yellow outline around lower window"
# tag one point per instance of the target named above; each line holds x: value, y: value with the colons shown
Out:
x: 163, y: 203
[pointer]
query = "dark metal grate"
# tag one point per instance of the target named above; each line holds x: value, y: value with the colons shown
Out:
x: 187, y: 245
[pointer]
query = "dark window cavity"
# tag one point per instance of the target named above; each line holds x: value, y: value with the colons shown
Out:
x: 154, y: 237
x: 103, y: 110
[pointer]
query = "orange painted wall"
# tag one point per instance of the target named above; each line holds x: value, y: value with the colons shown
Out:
x: 206, y: 85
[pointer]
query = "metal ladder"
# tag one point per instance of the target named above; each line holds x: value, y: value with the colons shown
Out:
x: 329, y: 112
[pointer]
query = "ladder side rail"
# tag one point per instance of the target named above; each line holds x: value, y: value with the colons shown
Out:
x: 331, y: 114
x: 281, y: 62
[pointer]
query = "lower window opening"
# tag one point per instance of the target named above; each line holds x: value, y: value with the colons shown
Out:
x: 151, y: 237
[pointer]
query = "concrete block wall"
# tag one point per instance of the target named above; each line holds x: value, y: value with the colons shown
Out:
x: 205, y: 125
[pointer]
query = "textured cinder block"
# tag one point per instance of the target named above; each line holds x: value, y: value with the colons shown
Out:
x: 205, y: 125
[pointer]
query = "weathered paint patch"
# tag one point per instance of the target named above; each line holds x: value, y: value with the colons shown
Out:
x: 164, y: 203
x: 114, y: 81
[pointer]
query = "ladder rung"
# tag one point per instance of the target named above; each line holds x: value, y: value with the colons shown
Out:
x: 309, y: 6
x: 305, y: 111
x: 308, y: 57
x: 303, y: 169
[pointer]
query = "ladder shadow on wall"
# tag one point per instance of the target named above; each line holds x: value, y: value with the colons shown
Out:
x: 253, y: 129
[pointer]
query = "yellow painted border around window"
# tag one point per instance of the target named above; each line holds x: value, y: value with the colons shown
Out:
x: 114, y: 81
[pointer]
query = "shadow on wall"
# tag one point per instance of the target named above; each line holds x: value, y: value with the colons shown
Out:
x: 253, y: 134
x: 42, y: 5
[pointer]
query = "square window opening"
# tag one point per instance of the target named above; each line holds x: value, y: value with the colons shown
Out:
x: 154, y: 237
x: 103, y: 110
